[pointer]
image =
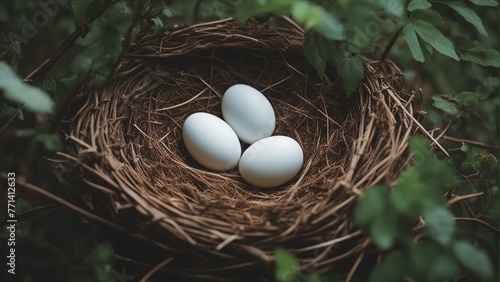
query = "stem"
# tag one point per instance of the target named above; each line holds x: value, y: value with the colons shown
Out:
x: 470, y: 142
x: 45, y: 66
x: 11, y: 119
x: 389, y: 47
x: 464, y: 197
x: 482, y: 222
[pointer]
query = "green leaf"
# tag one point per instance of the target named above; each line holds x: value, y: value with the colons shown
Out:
x: 440, y: 224
x: 331, y: 28
x: 158, y: 23
x: 385, y: 229
x: 466, y: 99
x: 371, y: 204
x: 350, y: 68
x: 307, y: 14
x: 435, y: 38
x: 469, y: 15
x: 21, y: 206
x: 445, y: 105
x: 427, y: 15
x: 444, y: 266
x: 312, y: 43
x: 84, y: 12
x: 51, y: 142
x: 101, y: 258
x: 412, y: 40
x: 396, y: 8
x: 473, y: 259
x: 7, y: 113
x: 250, y: 8
x: 17, y: 91
x: 287, y: 265
x: 393, y: 267
x: 481, y: 56
x: 418, y: 5
x: 491, y: 3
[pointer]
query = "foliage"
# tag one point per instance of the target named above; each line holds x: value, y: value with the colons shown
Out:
x: 16, y: 91
x: 445, y: 47
x: 387, y: 214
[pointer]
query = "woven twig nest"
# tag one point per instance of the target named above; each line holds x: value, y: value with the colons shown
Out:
x: 132, y: 160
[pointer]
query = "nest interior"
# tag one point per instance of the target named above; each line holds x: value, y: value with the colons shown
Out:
x: 132, y: 161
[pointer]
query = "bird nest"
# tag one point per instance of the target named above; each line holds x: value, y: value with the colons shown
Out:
x: 126, y: 140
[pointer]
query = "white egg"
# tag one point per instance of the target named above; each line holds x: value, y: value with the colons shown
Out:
x: 271, y: 161
x: 211, y: 141
x: 248, y: 112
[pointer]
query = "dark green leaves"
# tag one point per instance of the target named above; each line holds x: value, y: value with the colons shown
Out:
x: 101, y: 259
x: 419, y: 33
x: 469, y: 15
x: 287, y: 265
x: 350, y: 68
x: 445, y: 105
x: 103, y: 44
x: 475, y: 52
x: 491, y: 3
x: 461, y: 102
x: 413, y: 43
x: 17, y: 91
x: 315, y: 52
x: 309, y: 15
x: 418, y: 4
x: 435, y: 38
x: 475, y: 260
x: 84, y: 12
x: 387, y: 215
x: 440, y: 224
x: 321, y: 52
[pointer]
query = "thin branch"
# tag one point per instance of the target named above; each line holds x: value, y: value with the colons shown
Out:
x: 32, y: 213
x: 155, y: 269
x: 464, y: 197
x: 482, y: 222
x: 83, y: 212
x: 389, y: 47
x: 45, y: 66
x: 11, y: 119
x: 471, y: 142
x: 422, y: 129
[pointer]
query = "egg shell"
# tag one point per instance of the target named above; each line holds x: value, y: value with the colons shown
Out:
x: 211, y: 141
x: 271, y: 161
x: 248, y: 112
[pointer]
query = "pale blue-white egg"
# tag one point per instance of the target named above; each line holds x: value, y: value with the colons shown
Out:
x: 211, y: 141
x: 271, y: 161
x: 248, y: 112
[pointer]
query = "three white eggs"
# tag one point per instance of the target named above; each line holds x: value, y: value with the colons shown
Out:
x: 268, y: 162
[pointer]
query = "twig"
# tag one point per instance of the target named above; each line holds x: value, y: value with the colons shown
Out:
x: 155, y: 269
x: 422, y: 129
x: 389, y: 47
x: 83, y: 212
x: 32, y: 213
x: 464, y: 197
x: 482, y: 222
x: 56, y: 56
x: 444, y: 131
x: 11, y: 119
x: 471, y: 142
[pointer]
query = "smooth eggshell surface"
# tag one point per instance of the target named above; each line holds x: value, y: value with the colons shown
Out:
x: 211, y: 141
x: 271, y: 161
x: 248, y: 112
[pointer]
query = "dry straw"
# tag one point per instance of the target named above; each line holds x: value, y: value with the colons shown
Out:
x: 132, y: 162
